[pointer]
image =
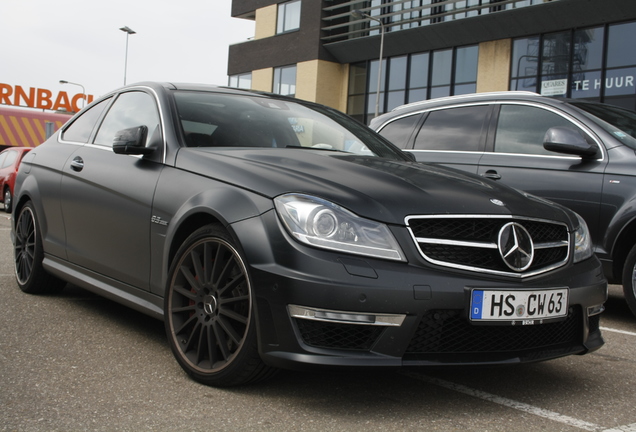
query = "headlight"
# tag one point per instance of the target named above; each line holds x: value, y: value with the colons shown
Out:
x: 582, y: 242
x: 322, y: 224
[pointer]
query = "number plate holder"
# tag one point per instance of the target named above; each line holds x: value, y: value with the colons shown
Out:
x: 518, y: 307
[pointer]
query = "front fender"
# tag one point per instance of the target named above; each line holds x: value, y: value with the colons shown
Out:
x: 184, y: 202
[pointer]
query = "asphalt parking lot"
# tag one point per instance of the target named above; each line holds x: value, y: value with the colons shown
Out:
x: 75, y: 361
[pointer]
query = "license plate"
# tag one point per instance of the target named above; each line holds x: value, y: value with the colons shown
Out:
x: 524, y: 306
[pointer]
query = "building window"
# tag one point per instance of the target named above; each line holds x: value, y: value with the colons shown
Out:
x: 357, y: 90
x: 465, y: 66
x: 285, y: 81
x: 242, y: 81
x: 441, y: 73
x: 288, y: 17
x: 411, y: 78
x: 571, y: 64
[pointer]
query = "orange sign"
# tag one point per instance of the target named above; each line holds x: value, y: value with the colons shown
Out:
x: 42, y: 98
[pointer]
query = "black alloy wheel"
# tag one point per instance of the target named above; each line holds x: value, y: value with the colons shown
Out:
x: 209, y: 311
x: 28, y: 255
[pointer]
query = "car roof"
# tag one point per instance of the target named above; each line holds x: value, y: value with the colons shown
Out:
x: 484, y: 97
x: 473, y: 97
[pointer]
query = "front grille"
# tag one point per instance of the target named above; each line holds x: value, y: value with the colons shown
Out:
x: 471, y: 242
x: 449, y: 332
x: 322, y: 334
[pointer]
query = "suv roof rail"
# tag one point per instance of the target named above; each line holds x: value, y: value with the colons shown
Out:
x: 468, y: 96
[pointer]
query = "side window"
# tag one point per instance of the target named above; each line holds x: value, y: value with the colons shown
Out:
x: 399, y: 131
x: 82, y: 127
x: 11, y: 157
x: 130, y: 110
x: 458, y: 129
x: 521, y: 129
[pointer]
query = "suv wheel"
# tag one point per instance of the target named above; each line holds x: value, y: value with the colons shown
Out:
x: 629, y: 280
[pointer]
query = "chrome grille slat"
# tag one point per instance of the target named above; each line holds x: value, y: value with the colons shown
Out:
x: 470, y: 242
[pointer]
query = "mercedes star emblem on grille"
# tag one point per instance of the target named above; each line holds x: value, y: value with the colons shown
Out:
x: 515, y: 246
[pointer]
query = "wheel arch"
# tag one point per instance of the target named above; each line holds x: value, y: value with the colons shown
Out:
x: 623, y: 244
x: 27, y: 191
x: 186, y: 227
x: 210, y: 206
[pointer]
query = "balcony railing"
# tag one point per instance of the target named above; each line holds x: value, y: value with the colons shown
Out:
x: 397, y: 15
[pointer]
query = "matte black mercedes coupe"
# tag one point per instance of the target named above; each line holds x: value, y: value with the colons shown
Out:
x: 273, y: 233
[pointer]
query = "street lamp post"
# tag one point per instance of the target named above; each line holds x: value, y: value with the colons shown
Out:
x: 359, y: 14
x: 83, y: 91
x: 128, y: 32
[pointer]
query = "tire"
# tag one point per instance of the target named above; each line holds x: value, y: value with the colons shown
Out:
x: 209, y: 311
x: 629, y: 279
x: 7, y: 200
x: 28, y: 255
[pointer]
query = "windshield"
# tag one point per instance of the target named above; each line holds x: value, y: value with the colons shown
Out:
x: 618, y: 121
x: 229, y: 120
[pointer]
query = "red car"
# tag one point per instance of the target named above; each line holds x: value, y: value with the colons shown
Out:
x: 9, y: 162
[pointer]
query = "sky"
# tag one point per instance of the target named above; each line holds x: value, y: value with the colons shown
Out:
x: 45, y: 41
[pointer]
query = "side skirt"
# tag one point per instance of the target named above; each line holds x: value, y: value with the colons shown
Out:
x: 134, y: 298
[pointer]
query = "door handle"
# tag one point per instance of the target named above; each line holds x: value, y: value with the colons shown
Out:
x: 492, y: 175
x: 77, y: 164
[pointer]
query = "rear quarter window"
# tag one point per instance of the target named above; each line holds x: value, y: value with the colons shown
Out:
x: 456, y: 129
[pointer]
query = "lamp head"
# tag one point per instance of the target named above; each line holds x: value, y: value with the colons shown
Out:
x: 127, y: 30
x: 358, y: 14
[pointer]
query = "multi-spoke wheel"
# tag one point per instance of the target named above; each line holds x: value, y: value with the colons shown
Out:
x: 629, y: 280
x: 28, y: 255
x: 209, y: 311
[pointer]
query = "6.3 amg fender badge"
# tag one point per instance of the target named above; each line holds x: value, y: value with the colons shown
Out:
x: 515, y: 246
x: 159, y: 221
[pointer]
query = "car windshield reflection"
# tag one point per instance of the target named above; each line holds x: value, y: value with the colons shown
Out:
x: 217, y: 120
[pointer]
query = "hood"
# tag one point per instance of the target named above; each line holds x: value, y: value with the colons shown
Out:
x: 375, y: 188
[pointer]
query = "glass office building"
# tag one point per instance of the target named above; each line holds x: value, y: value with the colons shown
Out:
x: 329, y: 51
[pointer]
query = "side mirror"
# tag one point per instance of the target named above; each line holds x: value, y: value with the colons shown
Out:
x: 566, y: 140
x: 132, y: 141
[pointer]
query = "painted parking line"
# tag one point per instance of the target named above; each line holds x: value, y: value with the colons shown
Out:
x: 520, y: 406
x: 626, y: 428
x: 550, y: 415
x: 618, y: 331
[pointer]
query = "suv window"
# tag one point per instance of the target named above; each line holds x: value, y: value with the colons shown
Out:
x: 130, y: 110
x: 458, y: 129
x: 399, y: 131
x: 521, y: 129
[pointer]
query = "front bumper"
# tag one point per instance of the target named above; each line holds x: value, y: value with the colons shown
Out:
x: 316, y: 307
